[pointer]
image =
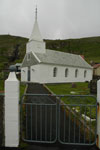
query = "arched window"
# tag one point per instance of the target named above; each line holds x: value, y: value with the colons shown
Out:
x: 85, y: 73
x: 76, y: 73
x: 55, y: 72
x: 66, y: 72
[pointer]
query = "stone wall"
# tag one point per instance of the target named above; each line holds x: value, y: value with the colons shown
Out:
x: 1, y: 120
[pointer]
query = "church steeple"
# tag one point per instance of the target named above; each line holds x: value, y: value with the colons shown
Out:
x: 36, y: 35
x: 36, y: 43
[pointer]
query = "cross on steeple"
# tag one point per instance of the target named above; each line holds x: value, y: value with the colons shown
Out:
x: 36, y: 14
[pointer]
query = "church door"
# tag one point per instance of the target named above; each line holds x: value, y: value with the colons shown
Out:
x: 29, y: 74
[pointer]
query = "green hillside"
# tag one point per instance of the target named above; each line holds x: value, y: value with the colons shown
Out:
x: 89, y: 47
x: 12, y: 48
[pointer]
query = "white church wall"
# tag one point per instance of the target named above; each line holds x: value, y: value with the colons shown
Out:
x: 43, y: 73
x: 35, y: 73
x: 89, y: 75
x: 24, y: 74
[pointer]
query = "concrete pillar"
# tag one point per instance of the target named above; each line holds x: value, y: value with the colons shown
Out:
x: 98, y: 114
x: 12, y: 111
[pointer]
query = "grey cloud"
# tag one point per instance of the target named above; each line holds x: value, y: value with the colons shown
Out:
x: 57, y: 18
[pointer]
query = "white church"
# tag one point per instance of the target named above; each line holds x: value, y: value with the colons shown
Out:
x: 41, y: 65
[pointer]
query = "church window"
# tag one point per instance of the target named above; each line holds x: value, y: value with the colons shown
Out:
x: 76, y: 73
x: 85, y: 73
x: 66, y: 72
x: 54, y: 72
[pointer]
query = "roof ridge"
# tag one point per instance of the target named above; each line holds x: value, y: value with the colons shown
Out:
x: 62, y: 52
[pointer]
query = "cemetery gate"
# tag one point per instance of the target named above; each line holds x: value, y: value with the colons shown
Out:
x: 68, y: 119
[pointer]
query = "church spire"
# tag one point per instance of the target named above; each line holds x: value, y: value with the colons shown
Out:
x: 36, y: 43
x: 36, y: 35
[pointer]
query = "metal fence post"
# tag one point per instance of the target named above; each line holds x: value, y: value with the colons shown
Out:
x: 98, y: 114
x: 12, y: 111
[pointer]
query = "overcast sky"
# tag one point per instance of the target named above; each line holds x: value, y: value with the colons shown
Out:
x: 58, y: 19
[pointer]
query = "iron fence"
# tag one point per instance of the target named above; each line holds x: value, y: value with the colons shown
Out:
x: 69, y: 119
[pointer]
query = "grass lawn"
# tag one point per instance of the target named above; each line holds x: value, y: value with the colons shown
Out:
x: 22, y: 89
x: 78, y: 89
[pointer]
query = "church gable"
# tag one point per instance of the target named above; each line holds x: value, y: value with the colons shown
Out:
x: 29, y: 60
